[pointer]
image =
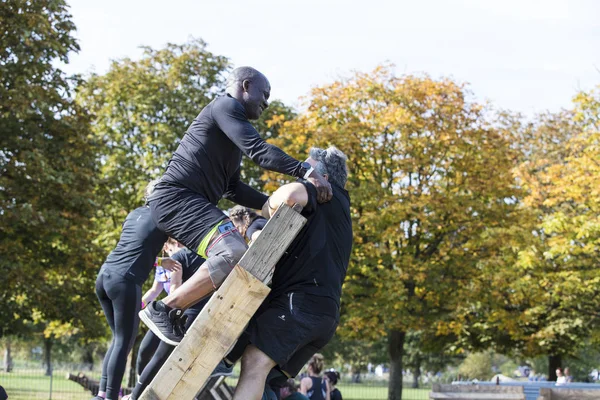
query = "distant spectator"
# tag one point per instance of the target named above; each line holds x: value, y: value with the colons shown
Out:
x: 289, y: 391
x: 314, y: 386
x: 3, y: 395
x: 560, y: 377
x: 333, y: 377
x: 568, y: 375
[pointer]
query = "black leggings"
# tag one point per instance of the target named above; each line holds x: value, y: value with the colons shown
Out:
x: 161, y: 355
x: 146, y: 351
x: 120, y: 299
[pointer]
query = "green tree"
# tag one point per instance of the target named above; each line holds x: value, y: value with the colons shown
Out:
x: 538, y: 295
x: 428, y: 177
x: 47, y: 170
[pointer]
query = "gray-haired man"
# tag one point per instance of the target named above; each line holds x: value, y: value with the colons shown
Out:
x: 302, y: 311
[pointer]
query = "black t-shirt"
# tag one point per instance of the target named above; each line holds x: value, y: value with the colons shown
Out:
x: 317, y: 260
x: 256, y: 225
x: 208, y: 158
x: 138, y: 246
x: 190, y: 263
x: 335, y: 394
x: 3, y: 395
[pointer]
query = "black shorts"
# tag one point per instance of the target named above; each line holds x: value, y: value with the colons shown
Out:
x: 293, y: 327
x: 184, y: 215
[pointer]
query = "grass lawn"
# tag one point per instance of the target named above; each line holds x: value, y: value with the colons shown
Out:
x: 353, y: 391
x: 33, y: 385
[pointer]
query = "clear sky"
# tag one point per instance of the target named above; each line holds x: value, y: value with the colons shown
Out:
x: 524, y: 55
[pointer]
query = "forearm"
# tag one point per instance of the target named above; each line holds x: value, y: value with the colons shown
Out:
x: 176, y: 281
x: 151, y: 294
x: 246, y: 196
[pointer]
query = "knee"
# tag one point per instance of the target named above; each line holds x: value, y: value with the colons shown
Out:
x: 223, y: 255
x: 255, y: 360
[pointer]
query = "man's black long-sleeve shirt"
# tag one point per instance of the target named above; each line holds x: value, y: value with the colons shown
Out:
x: 208, y: 158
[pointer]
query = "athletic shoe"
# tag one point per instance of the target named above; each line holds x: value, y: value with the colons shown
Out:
x: 222, y: 370
x: 164, y: 324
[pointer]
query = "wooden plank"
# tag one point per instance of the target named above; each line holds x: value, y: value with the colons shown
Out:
x: 563, y: 393
x: 226, y: 315
x: 476, y: 396
x: 208, y: 339
x: 444, y: 388
x: 276, y: 236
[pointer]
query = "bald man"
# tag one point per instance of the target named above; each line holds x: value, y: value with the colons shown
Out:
x: 204, y: 169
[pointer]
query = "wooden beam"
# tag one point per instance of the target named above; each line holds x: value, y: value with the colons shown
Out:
x: 225, y: 316
x: 274, y: 239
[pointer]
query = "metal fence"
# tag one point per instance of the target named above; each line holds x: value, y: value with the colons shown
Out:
x: 31, y: 383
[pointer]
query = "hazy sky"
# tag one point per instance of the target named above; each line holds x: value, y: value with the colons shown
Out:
x: 526, y: 55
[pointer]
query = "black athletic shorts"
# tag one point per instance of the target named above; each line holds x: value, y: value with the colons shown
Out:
x: 293, y: 327
x: 184, y: 215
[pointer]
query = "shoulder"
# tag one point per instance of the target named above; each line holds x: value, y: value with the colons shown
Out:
x: 227, y: 104
x: 307, y: 380
x: 140, y: 211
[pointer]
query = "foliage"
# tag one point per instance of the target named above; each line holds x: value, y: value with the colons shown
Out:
x: 47, y: 169
x: 477, y: 366
x: 141, y: 110
x: 428, y: 177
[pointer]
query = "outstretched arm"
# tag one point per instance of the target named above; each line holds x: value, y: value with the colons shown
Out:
x: 231, y: 118
x: 244, y: 195
x: 301, y: 196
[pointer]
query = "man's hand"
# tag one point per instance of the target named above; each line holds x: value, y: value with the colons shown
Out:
x: 170, y: 264
x: 324, y: 192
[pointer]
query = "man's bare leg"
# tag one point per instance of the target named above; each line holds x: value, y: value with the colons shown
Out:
x: 255, y: 368
x: 191, y: 291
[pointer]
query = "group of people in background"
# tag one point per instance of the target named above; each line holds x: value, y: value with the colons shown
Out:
x: 563, y: 377
x: 314, y: 385
x: 301, y: 312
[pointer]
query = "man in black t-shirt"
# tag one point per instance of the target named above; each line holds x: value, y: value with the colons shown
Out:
x: 301, y: 313
x: 204, y: 168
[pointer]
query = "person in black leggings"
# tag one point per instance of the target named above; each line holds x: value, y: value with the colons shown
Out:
x: 190, y: 262
x: 164, y: 280
x: 119, y: 289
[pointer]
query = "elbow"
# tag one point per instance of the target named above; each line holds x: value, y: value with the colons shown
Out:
x: 294, y: 198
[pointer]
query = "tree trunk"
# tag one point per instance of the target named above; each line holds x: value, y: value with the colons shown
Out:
x: 48, y: 355
x: 8, y: 362
x: 396, y: 350
x: 87, y: 358
x: 554, y: 362
x: 416, y: 372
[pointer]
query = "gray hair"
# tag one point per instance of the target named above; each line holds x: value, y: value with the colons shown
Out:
x: 149, y: 189
x: 331, y: 161
x: 242, y: 74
